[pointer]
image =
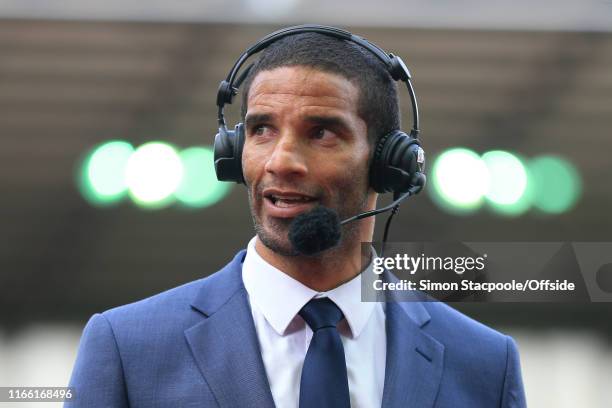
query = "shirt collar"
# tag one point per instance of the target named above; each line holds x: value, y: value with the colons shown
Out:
x: 279, y: 297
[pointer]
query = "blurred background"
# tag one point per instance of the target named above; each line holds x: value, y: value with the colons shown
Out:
x: 108, y: 194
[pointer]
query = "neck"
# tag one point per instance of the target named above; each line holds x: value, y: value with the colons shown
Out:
x: 331, y: 268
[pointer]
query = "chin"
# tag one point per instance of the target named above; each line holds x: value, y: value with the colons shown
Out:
x: 276, y: 238
x: 278, y: 246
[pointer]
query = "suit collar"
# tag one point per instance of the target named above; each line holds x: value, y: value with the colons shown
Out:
x: 219, y: 287
x: 411, y: 303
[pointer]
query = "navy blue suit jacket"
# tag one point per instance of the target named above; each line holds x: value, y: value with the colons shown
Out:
x: 196, y: 346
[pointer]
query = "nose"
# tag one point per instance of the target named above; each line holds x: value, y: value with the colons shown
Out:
x: 287, y: 160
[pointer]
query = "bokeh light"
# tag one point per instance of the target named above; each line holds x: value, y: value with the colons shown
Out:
x: 460, y: 180
x: 153, y: 173
x: 557, y: 185
x: 102, y: 180
x: 200, y: 187
x: 510, y: 188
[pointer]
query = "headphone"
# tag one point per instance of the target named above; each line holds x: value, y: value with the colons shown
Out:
x: 398, y: 160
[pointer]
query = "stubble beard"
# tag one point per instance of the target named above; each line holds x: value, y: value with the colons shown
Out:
x: 275, y: 233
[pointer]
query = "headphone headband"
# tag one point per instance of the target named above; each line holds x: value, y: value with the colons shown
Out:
x: 308, y: 28
x: 394, y: 64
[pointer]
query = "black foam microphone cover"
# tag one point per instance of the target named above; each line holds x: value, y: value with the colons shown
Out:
x: 315, y: 231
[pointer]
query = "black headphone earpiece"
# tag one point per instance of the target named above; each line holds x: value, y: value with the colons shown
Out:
x: 398, y: 161
x: 228, y: 154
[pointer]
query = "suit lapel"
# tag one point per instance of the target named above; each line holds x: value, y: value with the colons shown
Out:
x: 414, y: 359
x: 225, y: 344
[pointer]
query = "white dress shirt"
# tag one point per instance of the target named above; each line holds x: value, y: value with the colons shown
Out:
x: 276, y: 298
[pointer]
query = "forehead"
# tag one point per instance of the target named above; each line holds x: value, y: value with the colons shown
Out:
x: 305, y: 86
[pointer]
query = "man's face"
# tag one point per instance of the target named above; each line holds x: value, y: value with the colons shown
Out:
x: 305, y: 146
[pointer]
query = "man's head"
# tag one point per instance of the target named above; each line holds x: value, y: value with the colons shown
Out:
x: 313, y: 106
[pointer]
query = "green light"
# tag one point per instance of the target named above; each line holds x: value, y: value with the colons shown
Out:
x: 153, y: 173
x: 460, y: 180
x: 509, y: 191
x: 102, y: 173
x: 557, y: 184
x: 200, y: 187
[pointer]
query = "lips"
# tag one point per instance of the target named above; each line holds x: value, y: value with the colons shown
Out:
x: 286, y: 204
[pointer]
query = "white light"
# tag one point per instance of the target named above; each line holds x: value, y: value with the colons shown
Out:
x: 508, y: 177
x: 106, y: 167
x: 153, y: 172
x: 461, y: 178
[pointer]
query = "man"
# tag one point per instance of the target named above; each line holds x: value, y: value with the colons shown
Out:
x: 279, y: 328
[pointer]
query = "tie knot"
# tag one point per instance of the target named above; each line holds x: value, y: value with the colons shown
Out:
x: 320, y: 313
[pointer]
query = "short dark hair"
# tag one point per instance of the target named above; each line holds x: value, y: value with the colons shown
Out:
x: 378, y: 104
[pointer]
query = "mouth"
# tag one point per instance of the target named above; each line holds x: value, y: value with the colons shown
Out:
x: 287, y: 204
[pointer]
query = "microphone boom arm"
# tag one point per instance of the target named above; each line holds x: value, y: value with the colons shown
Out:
x: 412, y: 191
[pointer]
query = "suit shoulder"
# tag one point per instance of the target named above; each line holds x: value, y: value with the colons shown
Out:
x: 447, y: 322
x: 476, y: 357
x: 169, y: 300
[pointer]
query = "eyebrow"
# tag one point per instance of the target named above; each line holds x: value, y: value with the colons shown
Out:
x: 332, y: 122
x: 255, y: 118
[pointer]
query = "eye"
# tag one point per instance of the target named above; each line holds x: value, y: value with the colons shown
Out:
x: 322, y: 133
x: 259, y: 130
